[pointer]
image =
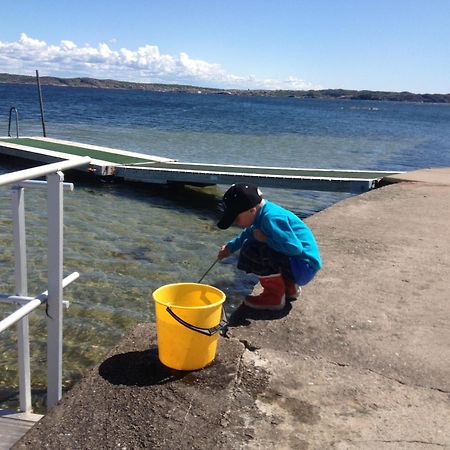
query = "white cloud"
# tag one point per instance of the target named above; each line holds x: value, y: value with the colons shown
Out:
x: 146, y: 64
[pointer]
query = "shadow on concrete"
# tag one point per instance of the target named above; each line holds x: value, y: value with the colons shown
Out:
x: 138, y: 369
x: 242, y: 315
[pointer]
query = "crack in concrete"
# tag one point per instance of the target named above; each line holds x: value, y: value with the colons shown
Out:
x: 403, y: 383
x: 390, y: 441
x: 339, y: 364
x: 248, y: 345
x: 244, y: 342
x: 187, y: 413
x: 236, y: 382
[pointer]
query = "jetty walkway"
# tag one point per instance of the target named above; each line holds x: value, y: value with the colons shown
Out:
x: 144, y: 168
x: 360, y: 361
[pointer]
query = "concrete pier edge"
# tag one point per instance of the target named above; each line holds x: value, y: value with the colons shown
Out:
x: 360, y: 361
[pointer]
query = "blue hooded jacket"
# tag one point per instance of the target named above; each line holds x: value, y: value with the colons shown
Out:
x: 286, y: 233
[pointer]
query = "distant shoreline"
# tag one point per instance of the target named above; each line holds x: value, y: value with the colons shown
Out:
x: 331, y: 94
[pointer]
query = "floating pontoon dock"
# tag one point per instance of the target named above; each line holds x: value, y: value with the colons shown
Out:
x: 131, y: 166
x: 46, y: 150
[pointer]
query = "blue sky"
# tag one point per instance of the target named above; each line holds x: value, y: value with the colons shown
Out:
x: 391, y: 45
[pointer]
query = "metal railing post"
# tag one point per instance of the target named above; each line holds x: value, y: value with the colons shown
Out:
x: 55, y: 288
x: 56, y: 283
x: 23, y: 341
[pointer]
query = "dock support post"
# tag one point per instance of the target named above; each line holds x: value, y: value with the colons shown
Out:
x: 23, y: 342
x: 44, y: 133
x: 55, y: 288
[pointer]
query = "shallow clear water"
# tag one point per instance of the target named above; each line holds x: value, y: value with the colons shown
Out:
x: 126, y: 240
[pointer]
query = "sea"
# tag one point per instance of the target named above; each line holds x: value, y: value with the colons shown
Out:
x: 126, y: 240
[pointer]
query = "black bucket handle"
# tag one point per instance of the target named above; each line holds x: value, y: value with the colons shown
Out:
x: 206, y: 331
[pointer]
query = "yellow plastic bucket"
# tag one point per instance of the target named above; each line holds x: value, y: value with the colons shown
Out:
x: 188, y: 318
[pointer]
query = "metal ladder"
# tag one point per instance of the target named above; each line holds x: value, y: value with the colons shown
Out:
x: 11, y: 111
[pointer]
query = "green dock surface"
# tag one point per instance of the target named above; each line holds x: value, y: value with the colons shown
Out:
x: 77, y: 150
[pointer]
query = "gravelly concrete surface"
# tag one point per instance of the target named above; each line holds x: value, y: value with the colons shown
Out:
x: 361, y: 361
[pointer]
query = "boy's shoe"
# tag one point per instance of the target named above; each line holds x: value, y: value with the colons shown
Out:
x: 292, y: 290
x: 272, y: 297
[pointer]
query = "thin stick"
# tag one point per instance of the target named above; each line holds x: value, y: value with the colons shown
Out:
x: 206, y: 273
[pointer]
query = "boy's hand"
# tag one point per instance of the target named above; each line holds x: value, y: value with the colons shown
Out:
x: 259, y: 235
x: 224, y: 252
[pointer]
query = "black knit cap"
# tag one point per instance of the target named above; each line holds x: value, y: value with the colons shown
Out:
x: 239, y: 198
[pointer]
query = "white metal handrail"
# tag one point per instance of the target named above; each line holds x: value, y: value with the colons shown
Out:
x: 41, y: 171
x: 29, y: 303
x: 53, y: 296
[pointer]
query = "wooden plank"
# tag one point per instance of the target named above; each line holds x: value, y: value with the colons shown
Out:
x: 13, y: 427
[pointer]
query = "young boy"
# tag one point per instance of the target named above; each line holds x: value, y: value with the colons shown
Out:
x: 275, y: 245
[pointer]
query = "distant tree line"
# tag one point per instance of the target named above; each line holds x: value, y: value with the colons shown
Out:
x: 319, y: 94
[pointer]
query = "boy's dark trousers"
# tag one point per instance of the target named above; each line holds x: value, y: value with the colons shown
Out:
x: 258, y: 258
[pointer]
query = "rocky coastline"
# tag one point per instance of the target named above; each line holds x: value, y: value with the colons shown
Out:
x: 330, y: 94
